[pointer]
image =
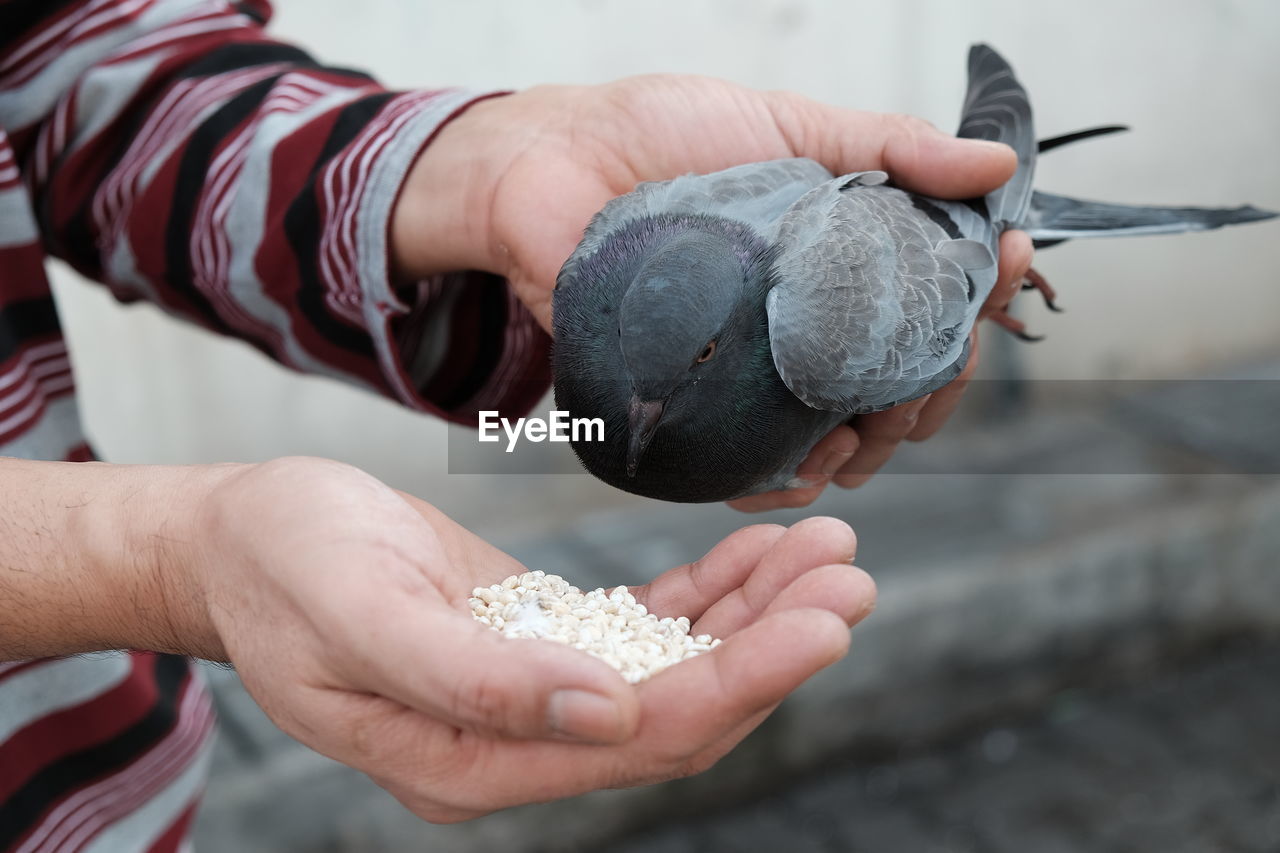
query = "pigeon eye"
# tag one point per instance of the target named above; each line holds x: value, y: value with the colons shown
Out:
x: 708, y: 352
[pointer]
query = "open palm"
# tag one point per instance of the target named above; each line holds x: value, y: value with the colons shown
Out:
x: 343, y: 605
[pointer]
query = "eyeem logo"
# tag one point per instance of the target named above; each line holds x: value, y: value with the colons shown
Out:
x: 560, y: 428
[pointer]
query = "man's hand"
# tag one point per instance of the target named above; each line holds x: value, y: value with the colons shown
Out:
x: 343, y: 605
x: 510, y: 184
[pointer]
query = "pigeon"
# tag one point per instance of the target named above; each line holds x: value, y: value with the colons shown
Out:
x: 720, y: 325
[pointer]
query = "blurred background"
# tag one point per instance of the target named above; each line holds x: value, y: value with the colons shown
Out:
x: 1076, y: 646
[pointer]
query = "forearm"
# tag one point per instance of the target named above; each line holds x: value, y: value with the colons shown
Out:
x: 187, y: 158
x: 96, y: 556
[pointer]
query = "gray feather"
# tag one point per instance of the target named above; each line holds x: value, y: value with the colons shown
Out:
x: 1058, y: 217
x: 755, y: 194
x: 872, y: 301
x: 996, y: 108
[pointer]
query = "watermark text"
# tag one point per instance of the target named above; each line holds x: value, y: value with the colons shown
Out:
x: 560, y: 427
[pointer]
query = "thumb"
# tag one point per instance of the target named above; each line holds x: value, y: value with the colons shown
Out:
x: 443, y: 663
x: 917, y: 155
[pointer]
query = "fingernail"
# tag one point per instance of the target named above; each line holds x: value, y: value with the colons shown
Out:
x: 987, y: 143
x: 581, y: 715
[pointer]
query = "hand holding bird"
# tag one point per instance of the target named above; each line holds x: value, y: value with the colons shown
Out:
x: 721, y: 325
x: 529, y: 170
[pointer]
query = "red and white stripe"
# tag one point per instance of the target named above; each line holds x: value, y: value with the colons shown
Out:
x: 9, y: 174
x: 38, y: 374
x: 211, y: 247
x: 186, y: 104
x: 35, y: 689
x: 91, y: 809
x: 220, y: 17
x: 51, y: 141
x: 39, y: 52
x: 344, y: 182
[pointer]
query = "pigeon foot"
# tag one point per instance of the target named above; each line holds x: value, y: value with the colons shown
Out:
x: 1034, y: 281
x: 1015, y: 327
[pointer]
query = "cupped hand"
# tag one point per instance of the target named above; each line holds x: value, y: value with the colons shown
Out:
x: 510, y: 184
x: 342, y: 604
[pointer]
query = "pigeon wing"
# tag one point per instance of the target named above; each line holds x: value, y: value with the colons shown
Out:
x: 874, y: 299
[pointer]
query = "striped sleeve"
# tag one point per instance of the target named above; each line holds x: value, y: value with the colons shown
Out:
x: 105, y: 753
x: 179, y: 155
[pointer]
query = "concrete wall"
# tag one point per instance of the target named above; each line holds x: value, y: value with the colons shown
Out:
x: 1199, y: 82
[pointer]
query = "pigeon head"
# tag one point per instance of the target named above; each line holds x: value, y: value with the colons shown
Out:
x: 662, y: 333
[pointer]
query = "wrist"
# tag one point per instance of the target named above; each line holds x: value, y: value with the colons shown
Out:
x: 145, y: 553
x: 96, y: 557
x: 440, y: 221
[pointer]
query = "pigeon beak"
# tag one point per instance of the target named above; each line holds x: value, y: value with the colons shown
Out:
x: 643, y: 417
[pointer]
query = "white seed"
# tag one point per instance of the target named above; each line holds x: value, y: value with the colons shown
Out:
x: 610, y: 625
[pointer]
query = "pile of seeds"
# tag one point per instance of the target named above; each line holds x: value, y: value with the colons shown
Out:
x: 613, y: 626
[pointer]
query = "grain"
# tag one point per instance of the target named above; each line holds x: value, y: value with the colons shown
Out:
x: 612, y: 625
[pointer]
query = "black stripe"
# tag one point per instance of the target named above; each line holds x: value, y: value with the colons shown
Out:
x: 251, y: 11
x: 977, y: 205
x: 1067, y: 138
x: 237, y: 55
x: 492, y: 292
x: 77, y: 243
x: 936, y: 215
x: 241, y: 54
x: 23, y: 321
x: 70, y: 772
x: 193, y: 169
x: 302, y: 229
x: 19, y: 17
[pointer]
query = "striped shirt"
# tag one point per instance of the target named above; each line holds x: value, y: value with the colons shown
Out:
x: 171, y: 150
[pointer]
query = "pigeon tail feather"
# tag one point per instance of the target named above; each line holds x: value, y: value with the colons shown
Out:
x: 996, y: 108
x: 1054, y: 218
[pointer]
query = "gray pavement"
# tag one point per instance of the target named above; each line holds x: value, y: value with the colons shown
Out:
x: 1171, y: 761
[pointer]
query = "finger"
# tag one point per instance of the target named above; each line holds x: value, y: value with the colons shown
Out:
x: 686, y: 709
x: 795, y: 498
x: 828, y: 456
x: 438, y: 660
x: 841, y: 588
x: 845, y: 590
x: 690, y: 589
x: 806, y: 545
x: 918, y: 155
x: 943, y: 402
x: 1016, y: 252
x: 812, y: 475
x: 748, y: 673
x: 880, y: 434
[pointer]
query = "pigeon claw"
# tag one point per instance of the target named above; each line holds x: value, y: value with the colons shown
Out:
x: 1015, y: 327
x: 1034, y: 281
